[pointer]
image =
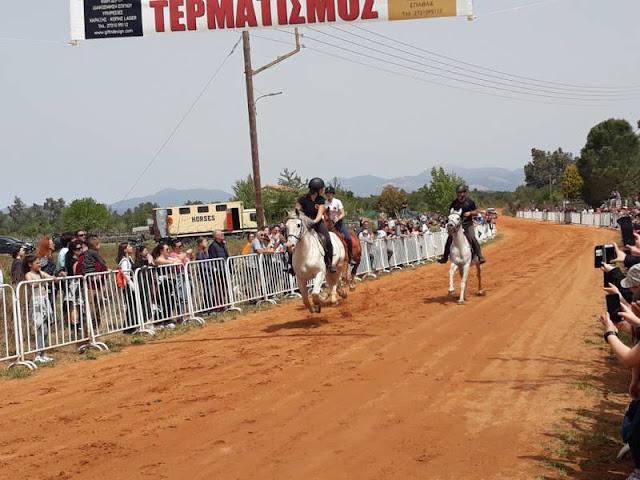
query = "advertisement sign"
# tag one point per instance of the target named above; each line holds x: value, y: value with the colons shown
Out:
x: 91, y: 19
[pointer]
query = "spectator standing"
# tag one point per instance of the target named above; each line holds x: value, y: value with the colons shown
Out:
x: 39, y: 306
x: 366, y: 238
x: 81, y: 236
x: 64, y: 242
x: 125, y: 263
x: 218, y: 248
x: 17, y: 272
x: 44, y: 252
x: 261, y: 244
x: 246, y: 250
x: 202, y: 250
x: 73, y: 295
x: 91, y: 262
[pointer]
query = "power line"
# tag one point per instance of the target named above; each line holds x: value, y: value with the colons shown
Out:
x: 515, y: 9
x: 433, y: 82
x: 530, y: 86
x: 634, y: 88
x: 184, y: 117
x: 439, y: 75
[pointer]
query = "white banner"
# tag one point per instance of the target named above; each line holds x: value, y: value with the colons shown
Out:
x: 92, y: 19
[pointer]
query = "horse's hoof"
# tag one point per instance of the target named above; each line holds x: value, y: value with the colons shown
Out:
x: 451, y: 292
x: 352, y: 288
x: 315, y: 308
x: 335, y: 304
x: 342, y: 293
x: 460, y: 302
x: 481, y: 293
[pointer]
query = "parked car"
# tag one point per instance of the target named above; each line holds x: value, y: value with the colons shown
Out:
x: 7, y: 244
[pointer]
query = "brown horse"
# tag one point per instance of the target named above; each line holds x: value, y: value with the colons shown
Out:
x: 357, y: 253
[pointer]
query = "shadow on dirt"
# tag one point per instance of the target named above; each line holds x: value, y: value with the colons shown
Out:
x: 583, y: 442
x: 304, y: 324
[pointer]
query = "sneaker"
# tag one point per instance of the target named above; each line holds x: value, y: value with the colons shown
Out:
x: 158, y: 326
x: 42, y: 359
x: 635, y: 475
x: 170, y: 326
x: 47, y: 358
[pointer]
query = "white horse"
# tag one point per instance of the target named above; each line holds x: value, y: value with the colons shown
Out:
x: 308, y: 260
x: 461, y: 256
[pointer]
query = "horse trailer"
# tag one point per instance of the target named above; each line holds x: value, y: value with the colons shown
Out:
x: 196, y: 220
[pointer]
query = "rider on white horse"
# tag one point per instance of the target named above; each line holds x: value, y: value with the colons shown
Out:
x: 337, y: 214
x: 313, y: 206
x: 469, y: 209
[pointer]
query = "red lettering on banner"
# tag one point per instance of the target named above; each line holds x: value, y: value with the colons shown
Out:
x: 368, y: 12
x: 246, y: 14
x: 175, y: 14
x: 220, y: 14
x: 295, y: 17
x: 323, y: 10
x: 349, y: 12
x: 158, y: 7
x: 266, y: 13
x: 195, y: 9
x: 282, y: 12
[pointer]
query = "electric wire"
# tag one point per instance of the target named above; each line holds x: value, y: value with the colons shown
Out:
x: 442, y: 76
x: 184, y: 117
x: 634, y: 88
x: 529, y: 85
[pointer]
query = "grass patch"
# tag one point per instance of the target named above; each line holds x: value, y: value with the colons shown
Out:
x: 138, y: 340
x: 16, y: 372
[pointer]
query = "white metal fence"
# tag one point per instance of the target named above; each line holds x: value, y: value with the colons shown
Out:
x: 601, y: 220
x: 41, y: 315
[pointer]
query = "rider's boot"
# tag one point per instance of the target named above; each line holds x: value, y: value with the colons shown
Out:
x: 447, y: 249
x: 352, y: 262
x: 476, y: 248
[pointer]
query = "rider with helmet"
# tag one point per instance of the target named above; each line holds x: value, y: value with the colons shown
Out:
x: 469, y: 209
x: 337, y: 214
x: 313, y: 206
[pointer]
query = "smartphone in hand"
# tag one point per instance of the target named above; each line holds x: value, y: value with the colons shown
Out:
x: 598, y: 256
x: 614, y: 308
x: 626, y: 227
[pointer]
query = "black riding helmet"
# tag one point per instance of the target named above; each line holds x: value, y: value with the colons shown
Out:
x: 330, y: 189
x: 316, y: 184
x: 462, y: 188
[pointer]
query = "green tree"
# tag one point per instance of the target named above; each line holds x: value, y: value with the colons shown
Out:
x: 85, y: 214
x: 546, y: 167
x: 391, y: 200
x: 244, y: 191
x: 572, y: 183
x: 440, y: 191
x: 18, y: 212
x: 610, y: 160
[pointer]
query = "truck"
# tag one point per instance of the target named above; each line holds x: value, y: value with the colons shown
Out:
x: 200, y: 220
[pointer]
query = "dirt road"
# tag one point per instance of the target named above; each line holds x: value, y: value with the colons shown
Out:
x: 398, y: 383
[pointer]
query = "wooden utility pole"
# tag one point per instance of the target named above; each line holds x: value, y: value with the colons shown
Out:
x: 253, y: 128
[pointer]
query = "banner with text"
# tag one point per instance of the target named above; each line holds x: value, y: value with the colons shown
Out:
x: 139, y: 18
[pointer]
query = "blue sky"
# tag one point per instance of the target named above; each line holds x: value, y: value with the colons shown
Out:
x: 86, y: 120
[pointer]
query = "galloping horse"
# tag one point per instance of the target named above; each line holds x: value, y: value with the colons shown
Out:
x: 461, y: 256
x: 308, y: 260
x: 356, y: 251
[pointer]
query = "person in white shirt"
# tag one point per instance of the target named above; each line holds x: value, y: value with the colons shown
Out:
x: 337, y: 214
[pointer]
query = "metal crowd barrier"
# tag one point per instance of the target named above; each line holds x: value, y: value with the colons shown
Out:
x: 52, y: 313
x: 209, y: 287
x: 112, y: 309
x: 604, y: 220
x: 276, y: 281
x: 246, y: 284
x: 10, y: 342
x: 162, y: 295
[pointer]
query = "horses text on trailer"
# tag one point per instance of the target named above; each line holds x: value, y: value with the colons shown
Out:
x: 196, y: 220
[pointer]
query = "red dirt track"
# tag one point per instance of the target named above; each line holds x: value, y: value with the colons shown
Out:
x: 398, y: 382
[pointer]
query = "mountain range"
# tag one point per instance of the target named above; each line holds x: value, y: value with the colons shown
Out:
x: 485, y: 178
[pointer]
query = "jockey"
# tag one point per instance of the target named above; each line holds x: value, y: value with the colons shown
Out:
x: 313, y: 206
x: 337, y: 214
x: 469, y: 209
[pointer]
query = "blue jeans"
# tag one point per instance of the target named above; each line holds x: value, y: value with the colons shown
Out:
x: 344, y: 230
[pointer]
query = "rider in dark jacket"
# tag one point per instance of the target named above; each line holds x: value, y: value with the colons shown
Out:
x: 469, y: 209
x: 313, y: 206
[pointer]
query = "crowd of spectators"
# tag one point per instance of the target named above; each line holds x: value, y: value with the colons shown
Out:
x: 622, y: 277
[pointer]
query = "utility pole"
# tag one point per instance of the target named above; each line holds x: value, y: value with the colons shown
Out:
x: 249, y: 73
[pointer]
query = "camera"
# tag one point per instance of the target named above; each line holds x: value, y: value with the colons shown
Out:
x: 604, y: 254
